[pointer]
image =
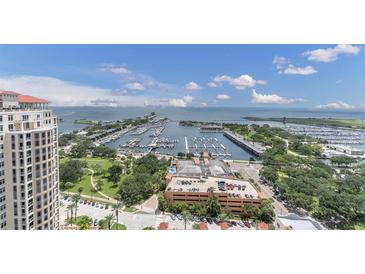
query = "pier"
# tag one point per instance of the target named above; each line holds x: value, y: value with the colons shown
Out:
x: 255, y: 149
x: 186, y: 145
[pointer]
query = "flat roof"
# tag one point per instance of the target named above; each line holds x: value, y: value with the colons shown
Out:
x: 214, y: 167
x: 299, y: 223
x: 231, y: 186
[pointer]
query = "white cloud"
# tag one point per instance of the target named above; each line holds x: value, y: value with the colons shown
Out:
x: 241, y: 82
x: 336, y: 105
x: 114, y: 69
x: 258, y: 98
x: 188, y: 98
x: 204, y: 104
x: 65, y: 93
x: 339, y: 81
x: 291, y: 69
x: 280, y: 62
x: 331, y: 54
x: 223, y: 97
x: 192, y: 86
x: 213, y: 85
x: 177, y: 103
x: 134, y: 86
x: 180, y: 102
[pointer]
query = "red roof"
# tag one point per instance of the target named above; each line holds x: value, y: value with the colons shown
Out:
x: 163, y: 226
x: 262, y: 226
x: 224, y: 226
x: 8, y: 92
x: 203, y: 226
x: 31, y: 99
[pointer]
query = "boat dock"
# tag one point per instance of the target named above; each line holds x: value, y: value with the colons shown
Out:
x: 254, y: 148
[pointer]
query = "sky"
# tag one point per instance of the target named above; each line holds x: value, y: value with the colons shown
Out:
x: 295, y: 76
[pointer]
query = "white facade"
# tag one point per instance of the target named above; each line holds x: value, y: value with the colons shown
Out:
x: 29, y: 184
x: 9, y: 100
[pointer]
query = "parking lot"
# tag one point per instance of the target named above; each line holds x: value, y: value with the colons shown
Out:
x: 137, y: 221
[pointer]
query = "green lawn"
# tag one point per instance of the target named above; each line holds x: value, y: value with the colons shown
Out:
x: 108, y: 188
x: 86, y: 185
x: 118, y: 227
x: 129, y: 209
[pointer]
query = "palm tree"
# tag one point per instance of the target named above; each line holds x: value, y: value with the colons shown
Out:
x: 109, y: 219
x: 250, y: 211
x: 70, y: 207
x: 116, y: 207
x: 225, y: 215
x: 186, y: 217
x: 75, y: 199
x: 68, y: 185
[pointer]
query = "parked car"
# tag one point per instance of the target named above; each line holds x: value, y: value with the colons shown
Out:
x: 106, y: 207
x: 93, y: 203
x: 173, y: 217
x: 247, y: 224
x: 209, y: 220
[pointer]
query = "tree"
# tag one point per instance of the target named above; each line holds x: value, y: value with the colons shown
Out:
x: 71, y: 171
x: 84, y: 222
x: 75, y: 200
x: 225, y: 215
x: 80, y: 189
x: 213, y: 207
x: 68, y: 185
x: 70, y: 208
x: 104, y: 152
x: 186, y: 217
x: 148, y: 228
x: 342, y: 161
x: 99, y: 185
x: 266, y: 211
x: 116, y: 207
x: 250, y: 211
x: 109, y: 219
x: 78, y: 151
x: 115, y: 172
x: 98, y: 169
x: 162, y: 203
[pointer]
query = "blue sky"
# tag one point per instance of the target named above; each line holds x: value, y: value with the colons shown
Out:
x: 311, y: 76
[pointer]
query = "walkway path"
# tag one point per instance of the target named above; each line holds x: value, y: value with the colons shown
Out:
x: 94, y: 186
x: 91, y: 197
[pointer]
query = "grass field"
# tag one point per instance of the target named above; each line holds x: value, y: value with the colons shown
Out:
x: 108, y: 188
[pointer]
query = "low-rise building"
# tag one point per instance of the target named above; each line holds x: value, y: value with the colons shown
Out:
x: 295, y: 222
x: 231, y: 193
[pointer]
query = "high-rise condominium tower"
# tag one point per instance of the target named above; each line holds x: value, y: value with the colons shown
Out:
x: 29, y: 184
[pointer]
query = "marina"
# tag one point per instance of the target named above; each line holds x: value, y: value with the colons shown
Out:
x: 331, y: 135
x: 173, y: 139
x: 198, y: 145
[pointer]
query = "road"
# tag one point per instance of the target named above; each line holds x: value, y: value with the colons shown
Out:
x: 133, y: 221
x: 252, y: 171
